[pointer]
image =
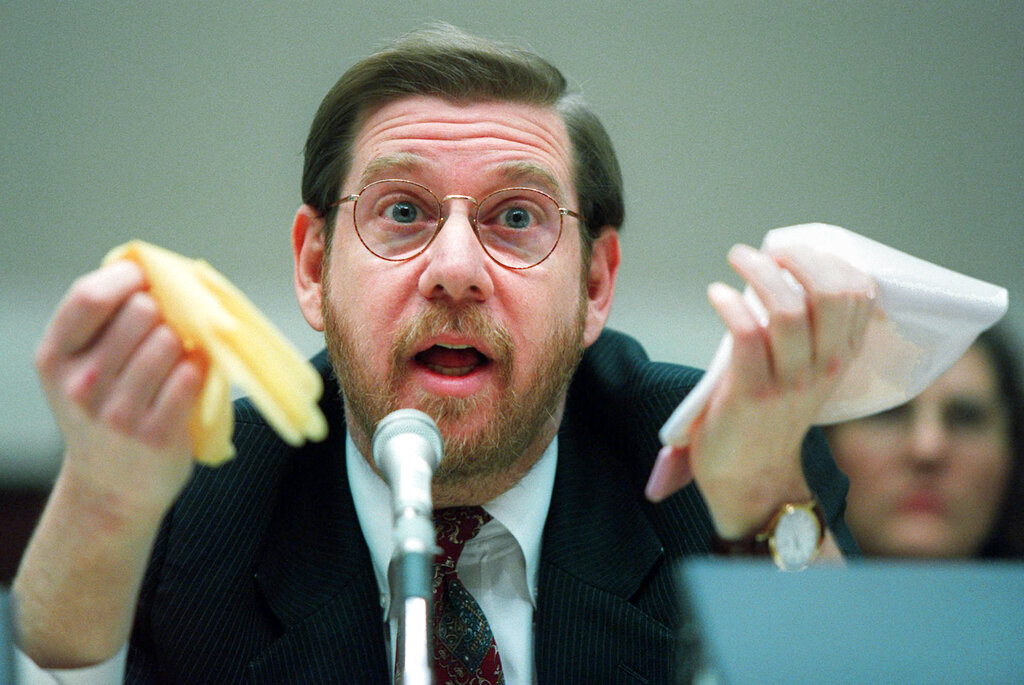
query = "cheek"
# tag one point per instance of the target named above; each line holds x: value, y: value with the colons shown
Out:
x: 360, y: 281
x: 861, y: 453
x: 365, y: 307
x: 868, y: 459
x: 536, y: 304
x: 986, y: 471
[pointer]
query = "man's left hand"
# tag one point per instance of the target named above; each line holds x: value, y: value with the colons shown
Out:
x: 745, y: 448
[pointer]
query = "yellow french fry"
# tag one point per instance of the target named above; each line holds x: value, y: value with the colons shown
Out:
x: 213, y: 421
x: 243, y: 347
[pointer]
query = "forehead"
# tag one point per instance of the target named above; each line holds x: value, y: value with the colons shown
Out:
x: 972, y: 374
x: 461, y: 145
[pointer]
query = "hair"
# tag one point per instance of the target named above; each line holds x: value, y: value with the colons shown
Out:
x: 444, y: 61
x: 1007, y: 539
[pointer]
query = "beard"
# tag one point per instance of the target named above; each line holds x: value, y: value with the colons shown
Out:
x: 514, y: 419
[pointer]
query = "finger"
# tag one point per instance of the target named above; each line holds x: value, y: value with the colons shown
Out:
x: 788, y: 326
x: 166, y: 422
x: 96, y: 372
x: 838, y: 297
x: 136, y: 386
x: 751, y: 361
x: 672, y: 471
x: 88, y: 306
x: 829, y: 309
x: 867, y: 310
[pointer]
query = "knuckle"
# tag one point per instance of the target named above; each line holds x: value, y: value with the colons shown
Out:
x: 789, y: 316
x: 161, y: 343
x: 118, y: 416
x: 167, y: 339
x: 748, y: 333
x: 85, y: 298
x: 162, y: 346
x: 80, y: 385
x: 159, y: 435
x: 142, y: 305
x: 46, y: 358
x: 833, y: 366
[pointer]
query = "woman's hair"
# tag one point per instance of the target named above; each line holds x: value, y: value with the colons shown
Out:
x: 445, y: 62
x: 1007, y: 539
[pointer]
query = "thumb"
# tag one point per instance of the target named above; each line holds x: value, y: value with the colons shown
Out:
x: 672, y: 471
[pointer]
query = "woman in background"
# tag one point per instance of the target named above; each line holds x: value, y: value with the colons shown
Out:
x: 942, y: 476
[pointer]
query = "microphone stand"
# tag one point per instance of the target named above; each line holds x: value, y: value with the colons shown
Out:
x: 410, y: 574
x: 407, y: 447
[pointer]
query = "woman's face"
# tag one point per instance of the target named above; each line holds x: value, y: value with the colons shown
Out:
x: 928, y: 478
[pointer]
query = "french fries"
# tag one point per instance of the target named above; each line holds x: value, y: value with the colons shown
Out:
x: 243, y: 348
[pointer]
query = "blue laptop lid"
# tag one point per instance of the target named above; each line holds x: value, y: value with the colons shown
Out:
x: 869, y: 622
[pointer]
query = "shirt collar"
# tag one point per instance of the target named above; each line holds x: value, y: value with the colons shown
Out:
x: 522, y: 510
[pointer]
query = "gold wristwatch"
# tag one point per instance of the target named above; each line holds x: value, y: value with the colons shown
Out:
x: 793, y: 537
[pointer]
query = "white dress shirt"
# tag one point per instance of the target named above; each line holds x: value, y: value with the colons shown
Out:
x: 110, y: 671
x: 498, y: 566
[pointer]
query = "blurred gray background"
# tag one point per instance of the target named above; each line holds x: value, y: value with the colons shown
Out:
x: 182, y: 123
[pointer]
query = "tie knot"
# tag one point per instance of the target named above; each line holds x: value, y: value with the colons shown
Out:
x: 455, y: 526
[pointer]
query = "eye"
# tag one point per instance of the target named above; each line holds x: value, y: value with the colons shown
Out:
x: 966, y: 414
x: 516, y: 217
x: 404, y: 212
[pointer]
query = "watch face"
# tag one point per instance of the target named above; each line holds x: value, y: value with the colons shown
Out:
x: 796, y: 538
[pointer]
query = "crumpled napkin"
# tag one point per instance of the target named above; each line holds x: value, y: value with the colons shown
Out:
x: 927, y: 316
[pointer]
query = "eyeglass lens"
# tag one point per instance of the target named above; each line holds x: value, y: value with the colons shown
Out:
x: 518, y: 227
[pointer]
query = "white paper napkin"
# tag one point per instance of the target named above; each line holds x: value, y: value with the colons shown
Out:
x: 927, y: 316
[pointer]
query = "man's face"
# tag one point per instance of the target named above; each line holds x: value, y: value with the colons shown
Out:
x: 485, y: 350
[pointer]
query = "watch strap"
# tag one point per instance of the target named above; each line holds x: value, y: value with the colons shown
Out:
x: 759, y: 543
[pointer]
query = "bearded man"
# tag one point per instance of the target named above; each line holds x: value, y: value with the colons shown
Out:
x: 458, y: 246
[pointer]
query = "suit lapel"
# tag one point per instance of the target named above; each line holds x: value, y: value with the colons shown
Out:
x: 598, y: 549
x: 316, y: 577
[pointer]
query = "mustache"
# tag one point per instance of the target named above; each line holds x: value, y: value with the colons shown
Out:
x: 469, y: 321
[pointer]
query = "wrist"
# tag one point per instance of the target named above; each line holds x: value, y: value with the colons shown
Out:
x: 82, y: 568
x: 741, y: 512
x: 97, y: 510
x: 793, y: 536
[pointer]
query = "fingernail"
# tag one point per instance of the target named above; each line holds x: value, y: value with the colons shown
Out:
x: 655, y: 490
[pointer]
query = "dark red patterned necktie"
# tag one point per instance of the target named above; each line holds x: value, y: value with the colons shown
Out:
x: 464, y: 650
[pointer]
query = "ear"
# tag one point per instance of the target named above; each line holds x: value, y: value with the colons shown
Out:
x: 604, y: 267
x: 308, y: 254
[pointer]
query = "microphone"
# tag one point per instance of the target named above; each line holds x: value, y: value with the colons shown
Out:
x: 407, y: 448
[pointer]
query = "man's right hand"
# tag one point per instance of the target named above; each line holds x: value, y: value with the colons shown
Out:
x: 122, y: 389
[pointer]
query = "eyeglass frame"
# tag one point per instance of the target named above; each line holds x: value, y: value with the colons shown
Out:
x: 442, y: 218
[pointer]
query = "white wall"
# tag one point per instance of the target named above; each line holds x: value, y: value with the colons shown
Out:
x: 182, y: 123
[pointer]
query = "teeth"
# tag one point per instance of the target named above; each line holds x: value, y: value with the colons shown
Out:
x: 454, y: 347
x: 450, y: 371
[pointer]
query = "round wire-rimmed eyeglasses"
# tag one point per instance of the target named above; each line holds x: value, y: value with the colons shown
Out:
x: 396, y: 220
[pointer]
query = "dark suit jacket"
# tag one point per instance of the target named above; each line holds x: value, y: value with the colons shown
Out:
x: 261, y: 573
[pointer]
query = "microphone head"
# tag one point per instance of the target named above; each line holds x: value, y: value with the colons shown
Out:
x: 404, y: 422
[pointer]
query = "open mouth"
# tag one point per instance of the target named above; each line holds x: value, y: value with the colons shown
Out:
x: 451, y: 359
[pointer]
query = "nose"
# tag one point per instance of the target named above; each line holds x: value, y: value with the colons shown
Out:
x: 928, y: 441
x: 456, y: 265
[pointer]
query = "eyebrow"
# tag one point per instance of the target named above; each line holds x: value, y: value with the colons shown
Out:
x: 516, y: 172
x: 528, y: 173
x: 386, y: 165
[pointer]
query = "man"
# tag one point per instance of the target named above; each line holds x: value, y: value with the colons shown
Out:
x: 273, y: 567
